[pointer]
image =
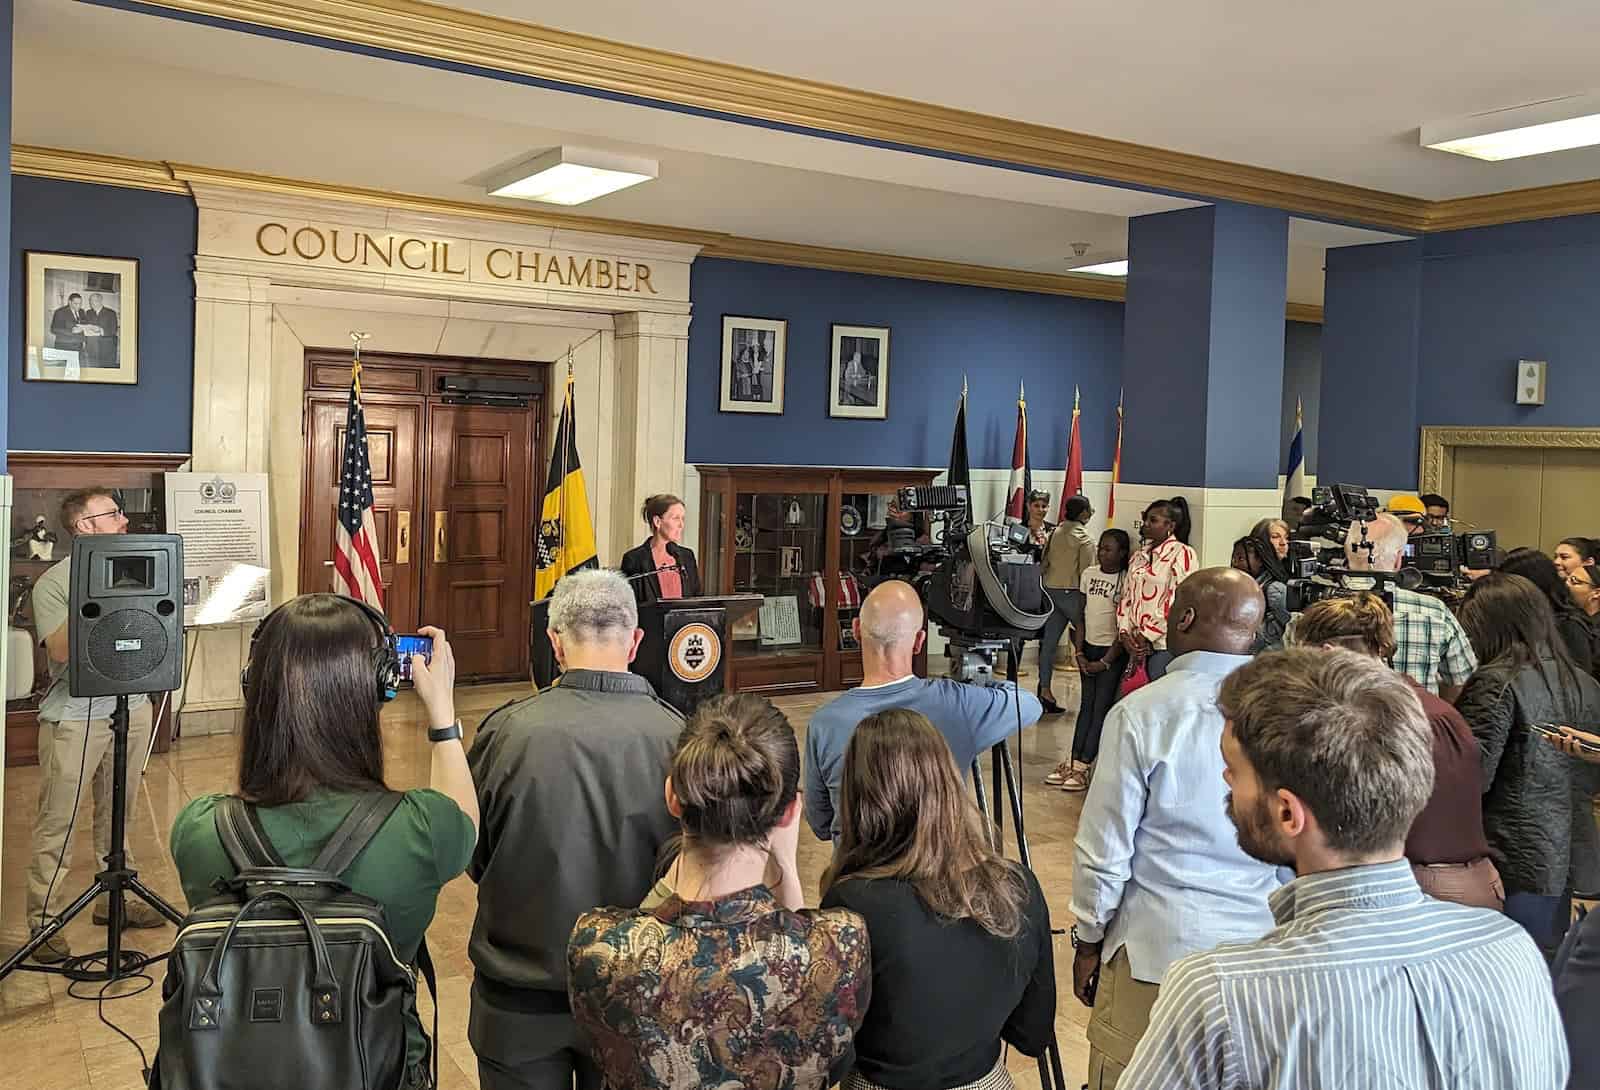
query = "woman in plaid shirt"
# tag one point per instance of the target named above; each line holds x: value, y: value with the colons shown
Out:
x: 1154, y: 573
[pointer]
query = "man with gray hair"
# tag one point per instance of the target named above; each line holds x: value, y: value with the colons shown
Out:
x: 1365, y: 980
x: 570, y: 789
x: 1430, y: 645
x: 891, y: 630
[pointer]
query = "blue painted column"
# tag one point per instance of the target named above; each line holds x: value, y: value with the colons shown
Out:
x: 13, y: 262
x: 1203, y: 336
x: 1371, y: 332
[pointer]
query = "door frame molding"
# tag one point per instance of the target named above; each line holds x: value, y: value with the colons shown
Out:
x: 1439, y: 445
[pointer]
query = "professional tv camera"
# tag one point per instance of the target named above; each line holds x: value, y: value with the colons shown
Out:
x: 986, y: 593
x: 1439, y: 555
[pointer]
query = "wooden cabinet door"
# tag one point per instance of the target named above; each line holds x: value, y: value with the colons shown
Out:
x: 394, y: 433
x: 478, y: 580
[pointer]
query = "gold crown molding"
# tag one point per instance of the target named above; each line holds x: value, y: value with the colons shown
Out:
x: 177, y: 178
x: 80, y: 166
x: 1515, y: 206
x: 1437, y: 456
x: 448, y: 34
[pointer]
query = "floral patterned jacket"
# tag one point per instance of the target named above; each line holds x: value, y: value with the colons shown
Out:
x: 736, y: 992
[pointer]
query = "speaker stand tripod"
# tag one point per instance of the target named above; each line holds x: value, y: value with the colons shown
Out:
x: 1051, y: 1072
x: 118, y: 880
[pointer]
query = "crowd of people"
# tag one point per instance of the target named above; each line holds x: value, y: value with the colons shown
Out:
x: 1350, y: 861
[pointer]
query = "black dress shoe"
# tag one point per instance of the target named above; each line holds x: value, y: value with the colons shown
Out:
x: 1050, y: 706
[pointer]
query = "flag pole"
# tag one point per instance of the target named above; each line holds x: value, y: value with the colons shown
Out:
x: 566, y: 441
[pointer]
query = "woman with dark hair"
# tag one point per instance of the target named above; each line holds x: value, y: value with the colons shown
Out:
x: 1583, y: 585
x: 1181, y: 524
x: 1161, y: 563
x: 1576, y: 552
x: 726, y: 980
x: 1537, y: 801
x: 1099, y: 657
x: 961, y: 951
x: 662, y: 566
x: 1446, y: 846
x: 1255, y: 556
x: 1571, y: 625
x: 310, y: 748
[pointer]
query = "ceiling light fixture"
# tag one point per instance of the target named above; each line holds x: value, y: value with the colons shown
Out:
x: 568, y: 175
x: 1105, y: 268
x: 1558, y: 124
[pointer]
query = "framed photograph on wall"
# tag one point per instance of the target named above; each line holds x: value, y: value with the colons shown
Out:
x: 858, y: 382
x: 753, y: 352
x: 82, y: 317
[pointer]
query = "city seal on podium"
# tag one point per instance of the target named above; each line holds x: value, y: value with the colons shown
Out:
x: 694, y: 652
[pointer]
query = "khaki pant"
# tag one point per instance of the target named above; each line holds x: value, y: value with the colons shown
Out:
x: 1476, y: 884
x: 1121, y: 1015
x: 62, y: 752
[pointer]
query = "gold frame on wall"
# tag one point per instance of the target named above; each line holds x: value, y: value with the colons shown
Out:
x: 1439, y: 446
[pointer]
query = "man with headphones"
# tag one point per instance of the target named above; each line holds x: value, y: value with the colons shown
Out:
x: 75, y: 740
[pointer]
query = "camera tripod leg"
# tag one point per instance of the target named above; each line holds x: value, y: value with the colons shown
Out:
x: 983, y: 799
x: 49, y: 930
x: 154, y: 900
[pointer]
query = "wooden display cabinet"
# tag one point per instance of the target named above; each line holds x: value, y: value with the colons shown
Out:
x: 800, y: 537
x: 40, y: 481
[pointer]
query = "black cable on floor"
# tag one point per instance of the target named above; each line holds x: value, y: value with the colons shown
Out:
x: 101, y: 999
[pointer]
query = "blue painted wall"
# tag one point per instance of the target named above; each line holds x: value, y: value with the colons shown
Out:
x: 157, y: 228
x: 1372, y: 305
x: 5, y: 188
x: 938, y: 333
x: 1302, y: 377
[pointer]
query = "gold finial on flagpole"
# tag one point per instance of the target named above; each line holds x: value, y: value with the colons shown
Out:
x: 1022, y: 394
x: 356, y: 338
x: 569, y: 363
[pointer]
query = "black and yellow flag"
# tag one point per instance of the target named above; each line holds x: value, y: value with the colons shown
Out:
x: 565, y: 541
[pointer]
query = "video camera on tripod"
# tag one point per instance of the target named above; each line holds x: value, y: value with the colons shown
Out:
x: 1317, y: 561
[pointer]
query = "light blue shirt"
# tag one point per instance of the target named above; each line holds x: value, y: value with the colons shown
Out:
x: 971, y: 717
x: 1157, y: 865
x: 1365, y: 982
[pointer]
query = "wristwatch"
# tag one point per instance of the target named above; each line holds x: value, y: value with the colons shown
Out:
x: 445, y: 734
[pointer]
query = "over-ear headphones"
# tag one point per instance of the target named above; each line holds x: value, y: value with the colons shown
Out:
x: 385, y: 656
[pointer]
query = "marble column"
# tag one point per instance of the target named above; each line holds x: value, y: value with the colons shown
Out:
x: 650, y: 395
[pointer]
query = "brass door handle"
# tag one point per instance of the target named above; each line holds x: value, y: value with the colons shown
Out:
x: 402, y: 546
x: 441, y: 549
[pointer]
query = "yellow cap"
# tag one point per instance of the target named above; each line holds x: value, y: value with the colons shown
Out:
x: 1406, y: 505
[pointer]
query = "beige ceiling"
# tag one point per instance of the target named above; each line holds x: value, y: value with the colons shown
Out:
x: 157, y: 89
x: 1332, y: 91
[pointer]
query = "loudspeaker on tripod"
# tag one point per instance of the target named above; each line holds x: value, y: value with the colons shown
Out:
x: 126, y: 614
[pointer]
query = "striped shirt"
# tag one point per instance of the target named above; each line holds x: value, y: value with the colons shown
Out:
x: 1365, y: 982
x: 1430, y: 645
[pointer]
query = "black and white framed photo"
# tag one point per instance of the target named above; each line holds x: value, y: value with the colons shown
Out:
x: 753, y: 351
x: 82, y: 319
x: 858, y: 382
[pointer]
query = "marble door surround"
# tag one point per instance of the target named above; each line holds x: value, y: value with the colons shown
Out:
x: 276, y: 274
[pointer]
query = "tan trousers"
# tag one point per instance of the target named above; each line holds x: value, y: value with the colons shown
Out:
x: 62, y: 752
x: 1476, y: 884
x: 1121, y: 1015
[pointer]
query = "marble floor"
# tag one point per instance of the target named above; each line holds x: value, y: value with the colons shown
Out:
x: 57, y: 1042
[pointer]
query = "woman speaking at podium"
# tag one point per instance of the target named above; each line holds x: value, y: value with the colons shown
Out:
x: 662, y: 567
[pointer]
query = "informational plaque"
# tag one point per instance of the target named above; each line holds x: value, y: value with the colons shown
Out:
x: 222, y: 518
x: 780, y: 621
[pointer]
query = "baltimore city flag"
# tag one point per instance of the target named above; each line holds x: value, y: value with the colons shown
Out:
x: 565, y: 541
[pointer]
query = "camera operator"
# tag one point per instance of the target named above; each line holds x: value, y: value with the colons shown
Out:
x: 891, y: 630
x: 1430, y: 646
x: 1436, y: 511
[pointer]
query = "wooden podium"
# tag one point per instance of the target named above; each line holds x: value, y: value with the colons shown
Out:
x: 684, y: 653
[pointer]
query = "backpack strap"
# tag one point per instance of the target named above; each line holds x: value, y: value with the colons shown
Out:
x: 350, y: 839
x: 242, y: 836
x: 425, y: 966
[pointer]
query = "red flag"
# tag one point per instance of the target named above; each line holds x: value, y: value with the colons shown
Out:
x: 1074, y: 483
x: 355, y: 547
x: 1017, y: 492
x: 1116, y: 464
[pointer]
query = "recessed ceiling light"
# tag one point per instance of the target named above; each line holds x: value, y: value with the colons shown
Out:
x: 1105, y: 268
x: 1559, y: 124
x: 568, y: 175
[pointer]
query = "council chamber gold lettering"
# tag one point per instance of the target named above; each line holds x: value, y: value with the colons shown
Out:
x: 382, y: 252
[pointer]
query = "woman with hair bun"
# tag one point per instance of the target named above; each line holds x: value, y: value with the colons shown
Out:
x: 727, y: 981
x: 961, y: 951
x: 1447, y: 848
x: 662, y: 566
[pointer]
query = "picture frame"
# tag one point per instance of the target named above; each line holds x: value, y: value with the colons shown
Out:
x: 81, y: 318
x: 754, y: 353
x: 791, y: 562
x: 858, y: 380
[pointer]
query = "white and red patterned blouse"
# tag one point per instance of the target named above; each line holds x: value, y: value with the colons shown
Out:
x: 1153, y: 575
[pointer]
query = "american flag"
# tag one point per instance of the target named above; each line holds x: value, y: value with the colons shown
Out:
x: 355, y: 548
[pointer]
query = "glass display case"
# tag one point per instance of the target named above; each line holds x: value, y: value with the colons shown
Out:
x: 810, y: 541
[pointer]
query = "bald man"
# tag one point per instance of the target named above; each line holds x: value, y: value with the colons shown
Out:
x: 1158, y: 872
x: 891, y: 630
x: 1431, y: 647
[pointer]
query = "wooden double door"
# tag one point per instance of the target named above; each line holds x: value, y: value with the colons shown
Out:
x: 453, y: 488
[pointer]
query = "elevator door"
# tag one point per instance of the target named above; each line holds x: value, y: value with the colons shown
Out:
x: 1530, y: 497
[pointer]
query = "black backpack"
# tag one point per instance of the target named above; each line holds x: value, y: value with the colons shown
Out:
x: 288, y: 978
